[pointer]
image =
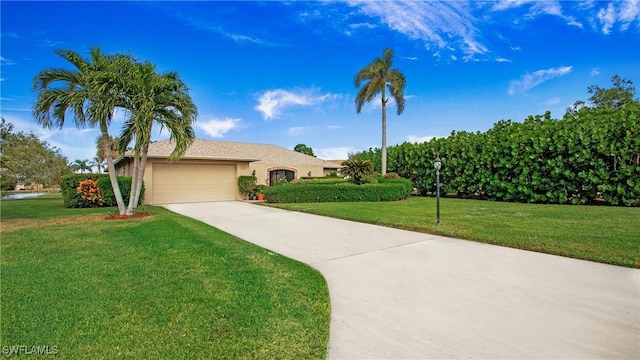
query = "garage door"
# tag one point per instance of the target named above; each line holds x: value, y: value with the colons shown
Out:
x: 180, y: 183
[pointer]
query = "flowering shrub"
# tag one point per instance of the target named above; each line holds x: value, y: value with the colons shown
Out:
x: 88, y: 190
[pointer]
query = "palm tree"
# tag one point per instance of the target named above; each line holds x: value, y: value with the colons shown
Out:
x: 97, y: 163
x: 154, y: 98
x: 81, y: 166
x: 381, y: 76
x: 100, y: 152
x: 356, y: 169
x: 89, y: 91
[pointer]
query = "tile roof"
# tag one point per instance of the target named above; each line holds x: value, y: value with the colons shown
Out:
x: 227, y: 150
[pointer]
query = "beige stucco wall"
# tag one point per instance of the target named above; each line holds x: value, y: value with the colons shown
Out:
x: 263, y: 169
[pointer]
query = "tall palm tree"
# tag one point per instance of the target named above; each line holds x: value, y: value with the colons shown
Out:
x: 154, y: 98
x: 380, y: 77
x: 89, y: 91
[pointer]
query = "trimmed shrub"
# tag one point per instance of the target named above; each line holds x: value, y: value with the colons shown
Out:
x: 69, y: 189
x: 384, y: 190
x: 124, y: 182
x: 590, y: 157
x: 247, y: 185
x: 72, y: 199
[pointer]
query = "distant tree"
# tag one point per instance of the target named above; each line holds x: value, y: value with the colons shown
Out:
x: 27, y: 159
x: 380, y: 77
x: 82, y: 166
x: 621, y: 92
x: 356, y: 169
x: 89, y: 92
x: 96, y: 162
x: 302, y: 148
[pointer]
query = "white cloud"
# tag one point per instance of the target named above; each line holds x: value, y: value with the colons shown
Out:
x: 629, y: 13
x: 272, y: 102
x: 530, y: 81
x: 9, y: 34
x: 435, y: 23
x: 216, y: 128
x: 362, y: 25
x: 335, y: 153
x: 297, y: 130
x: 607, y: 17
x: 5, y: 61
x: 537, y: 8
x: 334, y: 127
x: 412, y: 58
x: 501, y: 59
x: 595, y: 72
x: 625, y: 12
x: 419, y: 139
x: 553, y: 101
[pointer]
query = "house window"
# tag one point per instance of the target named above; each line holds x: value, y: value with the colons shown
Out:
x: 278, y: 176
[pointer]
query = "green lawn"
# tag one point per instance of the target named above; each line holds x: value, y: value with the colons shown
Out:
x: 598, y: 233
x: 164, y: 286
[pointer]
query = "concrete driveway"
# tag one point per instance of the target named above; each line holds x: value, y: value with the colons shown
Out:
x: 403, y: 295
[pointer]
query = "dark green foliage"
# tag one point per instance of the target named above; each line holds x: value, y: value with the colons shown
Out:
x: 304, y: 149
x: 591, y: 156
x: 109, y: 199
x: 380, y: 189
x: 72, y: 199
x: 357, y: 169
x: 69, y: 185
x: 247, y: 184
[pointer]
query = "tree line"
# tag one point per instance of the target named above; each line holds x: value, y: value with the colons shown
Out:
x: 590, y: 156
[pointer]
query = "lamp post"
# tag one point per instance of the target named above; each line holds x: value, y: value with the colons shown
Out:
x: 438, y: 165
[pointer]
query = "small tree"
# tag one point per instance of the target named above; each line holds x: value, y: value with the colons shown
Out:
x: 304, y: 149
x: 356, y: 169
x: 247, y: 184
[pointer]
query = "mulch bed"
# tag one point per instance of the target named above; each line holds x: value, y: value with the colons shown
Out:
x: 126, y: 217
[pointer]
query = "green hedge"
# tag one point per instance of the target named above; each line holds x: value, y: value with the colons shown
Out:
x: 124, y: 182
x: 379, y: 190
x: 72, y: 199
x: 590, y: 157
x: 68, y: 188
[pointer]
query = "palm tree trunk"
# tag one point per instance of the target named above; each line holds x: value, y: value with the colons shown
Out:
x: 131, y: 209
x: 143, y: 165
x: 106, y: 146
x: 383, y: 154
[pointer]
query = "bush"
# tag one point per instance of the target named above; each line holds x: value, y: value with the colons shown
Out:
x: 391, y: 175
x: 247, y: 185
x: 73, y: 199
x: 7, y: 185
x: 89, y: 192
x: 384, y: 190
x: 591, y: 157
x: 69, y: 189
x: 124, y: 182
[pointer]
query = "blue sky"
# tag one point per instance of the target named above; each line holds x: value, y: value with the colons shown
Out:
x: 282, y: 72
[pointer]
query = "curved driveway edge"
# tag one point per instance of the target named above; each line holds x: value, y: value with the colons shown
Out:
x: 398, y: 294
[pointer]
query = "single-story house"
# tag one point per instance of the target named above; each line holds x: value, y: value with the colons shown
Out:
x: 209, y: 169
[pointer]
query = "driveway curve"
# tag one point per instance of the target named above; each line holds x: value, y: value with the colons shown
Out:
x: 398, y: 294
